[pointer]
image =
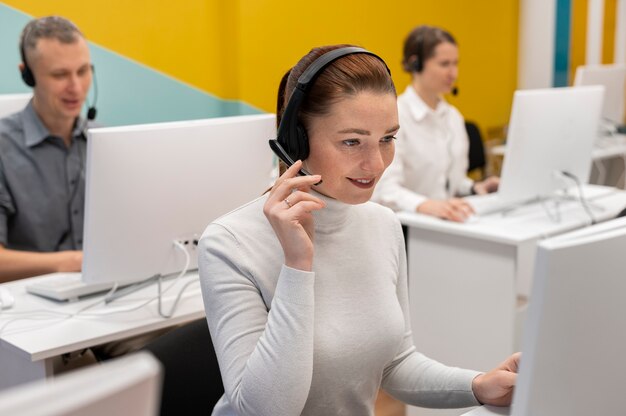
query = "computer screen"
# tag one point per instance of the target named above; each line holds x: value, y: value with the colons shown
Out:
x: 613, y: 78
x: 148, y: 185
x: 12, y: 103
x: 550, y: 130
x: 573, y: 360
x: 130, y: 385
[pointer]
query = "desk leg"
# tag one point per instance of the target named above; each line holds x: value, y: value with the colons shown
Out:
x: 16, y: 368
x: 462, y: 301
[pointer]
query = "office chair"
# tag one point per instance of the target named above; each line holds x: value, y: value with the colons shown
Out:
x: 192, y: 383
x: 476, y: 152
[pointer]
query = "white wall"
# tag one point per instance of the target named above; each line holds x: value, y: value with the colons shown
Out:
x: 536, y: 43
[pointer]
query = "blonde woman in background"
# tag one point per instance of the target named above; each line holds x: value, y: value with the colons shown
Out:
x: 428, y: 174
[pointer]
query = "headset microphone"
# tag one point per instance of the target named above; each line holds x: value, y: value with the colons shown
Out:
x: 455, y: 91
x: 92, y: 111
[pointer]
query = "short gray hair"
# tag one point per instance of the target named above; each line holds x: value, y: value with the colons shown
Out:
x: 49, y: 27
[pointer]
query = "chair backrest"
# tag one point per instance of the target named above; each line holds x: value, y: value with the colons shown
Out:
x: 476, y: 152
x: 192, y: 383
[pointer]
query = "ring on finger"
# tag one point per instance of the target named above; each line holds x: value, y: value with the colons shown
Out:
x: 286, y: 201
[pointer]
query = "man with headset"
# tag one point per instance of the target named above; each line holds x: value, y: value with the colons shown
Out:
x: 42, y: 154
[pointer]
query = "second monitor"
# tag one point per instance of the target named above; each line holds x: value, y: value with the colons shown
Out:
x: 551, y: 131
x: 613, y: 78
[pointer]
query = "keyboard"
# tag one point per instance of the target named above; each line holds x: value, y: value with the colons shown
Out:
x: 488, y: 204
x: 65, y: 286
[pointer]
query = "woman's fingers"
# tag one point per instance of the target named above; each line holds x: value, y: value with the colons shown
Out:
x: 457, y: 210
x: 289, y: 209
x: 295, y: 199
x: 291, y: 180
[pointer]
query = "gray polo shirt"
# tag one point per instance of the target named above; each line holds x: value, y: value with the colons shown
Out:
x: 42, y: 185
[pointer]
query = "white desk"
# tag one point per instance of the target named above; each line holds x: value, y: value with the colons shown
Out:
x: 28, y: 345
x: 464, y: 278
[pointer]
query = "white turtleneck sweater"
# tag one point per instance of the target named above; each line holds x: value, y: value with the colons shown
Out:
x: 291, y: 342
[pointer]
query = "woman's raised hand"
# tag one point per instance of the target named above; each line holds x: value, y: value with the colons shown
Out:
x: 289, y: 210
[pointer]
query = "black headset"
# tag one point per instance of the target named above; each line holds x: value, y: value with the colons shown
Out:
x: 29, y: 79
x: 418, y: 64
x: 292, y: 142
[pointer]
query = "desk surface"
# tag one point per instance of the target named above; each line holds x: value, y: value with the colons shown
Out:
x: 32, y: 330
x: 527, y: 222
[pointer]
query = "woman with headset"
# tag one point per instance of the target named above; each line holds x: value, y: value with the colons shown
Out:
x: 428, y: 174
x: 308, y: 313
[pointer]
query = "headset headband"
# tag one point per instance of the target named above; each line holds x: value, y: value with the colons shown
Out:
x: 288, y: 134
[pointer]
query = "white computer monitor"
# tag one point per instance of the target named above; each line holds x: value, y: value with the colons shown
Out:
x: 148, y: 185
x: 550, y: 131
x: 126, y: 386
x: 12, y: 103
x: 613, y: 78
x: 573, y: 360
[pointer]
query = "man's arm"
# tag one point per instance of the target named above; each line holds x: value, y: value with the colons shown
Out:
x: 15, y: 264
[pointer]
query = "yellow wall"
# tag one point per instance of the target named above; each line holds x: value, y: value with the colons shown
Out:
x: 579, y: 37
x: 182, y: 39
x: 239, y: 49
x: 485, y: 30
x: 608, y: 31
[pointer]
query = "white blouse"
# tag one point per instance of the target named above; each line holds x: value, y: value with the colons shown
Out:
x: 431, y: 156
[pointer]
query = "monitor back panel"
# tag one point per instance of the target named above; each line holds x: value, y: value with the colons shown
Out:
x: 148, y: 185
x: 550, y: 130
x: 613, y: 78
x: 12, y: 103
x: 573, y: 360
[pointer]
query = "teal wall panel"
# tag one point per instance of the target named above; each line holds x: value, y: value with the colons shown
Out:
x: 562, y: 43
x: 128, y: 92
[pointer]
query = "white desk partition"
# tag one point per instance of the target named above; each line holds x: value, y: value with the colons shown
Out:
x: 12, y: 103
x: 125, y: 386
x: 464, y: 279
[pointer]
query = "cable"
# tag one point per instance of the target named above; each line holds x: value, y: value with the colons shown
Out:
x: 180, y: 292
x: 608, y: 126
x: 160, y: 293
x: 554, y: 217
x: 31, y: 315
x: 62, y: 316
x: 581, y: 198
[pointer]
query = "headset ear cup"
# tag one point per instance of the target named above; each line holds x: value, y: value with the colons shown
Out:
x: 417, y: 64
x: 27, y: 76
x: 301, y: 150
